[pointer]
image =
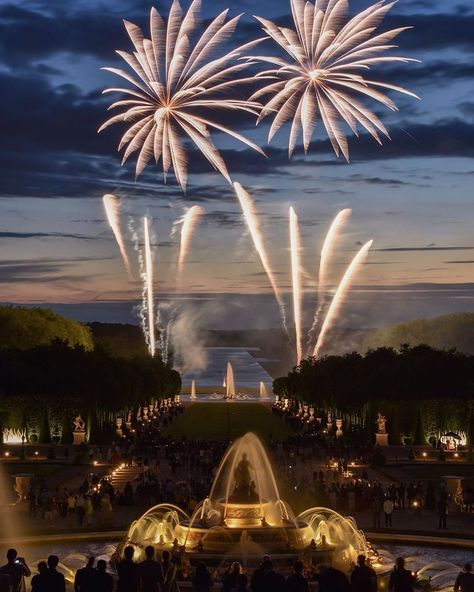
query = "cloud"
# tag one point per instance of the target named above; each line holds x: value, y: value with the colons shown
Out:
x: 460, y: 261
x: 413, y: 249
x: 36, y: 272
x: 25, y: 235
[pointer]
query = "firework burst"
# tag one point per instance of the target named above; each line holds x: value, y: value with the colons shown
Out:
x: 322, y: 79
x: 175, y: 79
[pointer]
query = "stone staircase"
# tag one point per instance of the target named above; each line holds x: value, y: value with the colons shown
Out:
x: 121, y: 476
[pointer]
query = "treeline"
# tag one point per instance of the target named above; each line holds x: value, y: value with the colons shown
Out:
x: 24, y: 328
x: 418, y: 385
x: 442, y: 332
x: 69, y: 380
x: 57, y: 370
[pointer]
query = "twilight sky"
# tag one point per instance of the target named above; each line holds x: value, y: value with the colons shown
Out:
x: 413, y: 196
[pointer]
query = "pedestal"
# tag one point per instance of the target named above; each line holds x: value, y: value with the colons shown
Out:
x: 381, y: 439
x: 79, y: 438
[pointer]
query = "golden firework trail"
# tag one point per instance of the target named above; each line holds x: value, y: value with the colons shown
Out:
x: 112, y: 211
x: 325, y: 75
x: 188, y: 224
x: 326, y: 252
x: 251, y: 219
x: 148, y: 286
x: 340, y: 295
x: 295, y: 248
x: 176, y: 80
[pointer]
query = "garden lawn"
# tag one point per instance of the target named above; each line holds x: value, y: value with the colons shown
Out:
x: 220, y: 421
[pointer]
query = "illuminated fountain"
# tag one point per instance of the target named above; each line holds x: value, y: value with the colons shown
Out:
x: 193, y: 390
x: 263, y: 390
x: 12, y: 436
x: 229, y: 382
x: 244, y: 515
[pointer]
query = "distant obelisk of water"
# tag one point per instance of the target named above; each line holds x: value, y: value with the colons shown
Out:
x: 263, y: 390
x: 230, y: 385
x: 193, y: 390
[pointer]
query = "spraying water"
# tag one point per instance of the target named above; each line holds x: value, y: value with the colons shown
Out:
x: 340, y: 295
x: 295, y: 246
x: 263, y: 390
x: 230, y: 384
x: 193, y: 390
x: 148, y: 280
x: 112, y: 211
x: 251, y: 220
x: 189, y: 221
x: 326, y: 251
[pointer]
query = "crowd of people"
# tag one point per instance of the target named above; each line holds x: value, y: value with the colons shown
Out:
x: 163, y: 575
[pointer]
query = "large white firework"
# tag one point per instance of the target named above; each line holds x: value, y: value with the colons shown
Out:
x: 176, y: 78
x: 323, y: 77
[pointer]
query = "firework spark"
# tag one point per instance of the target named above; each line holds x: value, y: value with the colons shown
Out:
x: 322, y: 77
x: 148, y: 286
x: 295, y: 247
x: 188, y: 224
x: 175, y: 79
x: 340, y: 295
x: 112, y: 211
x: 326, y: 252
x: 251, y: 219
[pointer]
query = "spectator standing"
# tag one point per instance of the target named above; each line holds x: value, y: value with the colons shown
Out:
x: 234, y: 580
x: 39, y: 581
x: 55, y: 581
x: 17, y: 569
x: 388, y: 511
x: 376, y: 508
x: 442, y: 513
x: 257, y: 583
x: 273, y: 580
x: 297, y: 582
x: 401, y: 580
x: 82, y: 581
x: 331, y: 580
x: 363, y: 578
x: 202, y: 580
x: 101, y: 581
x: 150, y: 572
x: 465, y: 580
x: 127, y: 571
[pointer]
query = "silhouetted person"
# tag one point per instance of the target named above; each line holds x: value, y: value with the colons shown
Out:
x: 39, y: 582
x: 273, y: 580
x: 331, y: 580
x: 388, y: 511
x: 101, y: 581
x: 257, y: 582
x: 150, y: 572
x: 234, y: 580
x: 401, y: 580
x: 16, y: 569
x: 55, y: 580
x: 363, y: 578
x: 296, y: 582
x: 202, y: 580
x: 442, y: 513
x: 465, y: 580
x: 82, y: 581
x: 127, y: 572
x: 170, y: 584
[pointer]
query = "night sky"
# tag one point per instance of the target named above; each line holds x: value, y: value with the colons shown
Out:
x: 413, y: 196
